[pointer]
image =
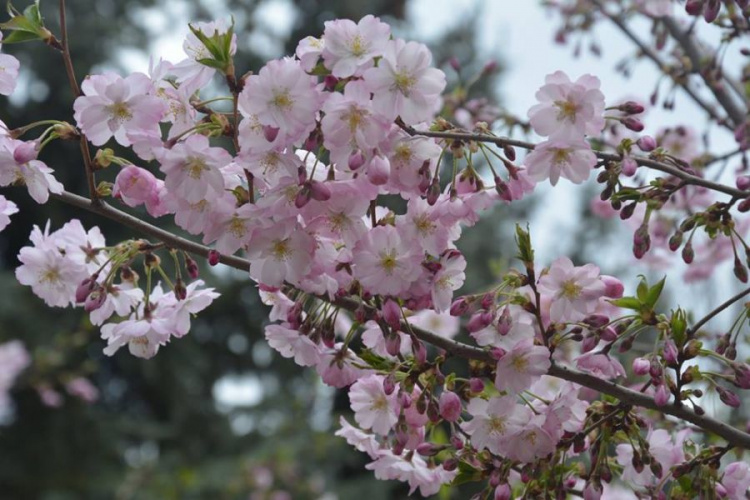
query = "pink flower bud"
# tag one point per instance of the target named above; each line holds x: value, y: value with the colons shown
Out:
x: 213, y: 257
x: 192, y: 267
x: 646, y: 143
x: 427, y: 449
x: 669, y: 352
x: 419, y: 351
x: 135, y: 186
x: 434, y: 192
x: 303, y: 196
x: 596, y: 320
x: 270, y: 133
x: 613, y: 287
x: 633, y: 124
x: 742, y: 375
x: 25, y: 152
x: 476, y: 384
x: 379, y: 170
x: 498, y: 353
x: 589, y: 342
x: 455, y: 64
x: 743, y: 182
x: 631, y: 108
x: 502, y: 492
x: 95, y: 300
x: 694, y: 7
x: 85, y: 288
x: 711, y: 11
x: 608, y: 334
x: 629, y: 166
x: 392, y: 314
x: 504, y: 322
x: 450, y: 406
x: 459, y: 307
x: 661, y: 395
x: 320, y: 191
x: 356, y: 160
x: 728, y: 397
x: 641, y: 366
x: 478, y: 321
x: 389, y: 384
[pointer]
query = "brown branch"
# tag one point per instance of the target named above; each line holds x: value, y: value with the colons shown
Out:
x: 694, y: 53
x: 646, y: 162
x: 654, y: 57
x: 73, y: 82
x: 458, y: 349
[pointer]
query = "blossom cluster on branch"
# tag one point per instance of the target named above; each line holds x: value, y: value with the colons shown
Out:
x: 297, y: 176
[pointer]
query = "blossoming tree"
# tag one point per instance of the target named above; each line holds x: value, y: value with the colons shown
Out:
x: 522, y: 387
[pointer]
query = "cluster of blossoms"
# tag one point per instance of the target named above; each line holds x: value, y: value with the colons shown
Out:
x: 356, y: 289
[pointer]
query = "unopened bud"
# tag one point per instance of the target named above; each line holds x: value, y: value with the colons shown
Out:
x: 213, y: 257
x: 450, y: 406
x: 270, y: 133
x: 646, y: 143
x: 633, y: 124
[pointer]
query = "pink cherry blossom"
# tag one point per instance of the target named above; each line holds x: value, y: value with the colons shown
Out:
x: 373, y: 408
x: 601, y: 365
x: 568, y: 110
x: 134, y: 186
x: 491, y: 424
x: 385, y: 262
x: 555, y: 158
x: 193, y: 169
x: 736, y: 480
x: 575, y: 291
x: 412, y: 469
x: 7, y: 208
x: 308, y: 52
x: 113, y: 106
x: 350, y: 48
x: 521, y: 366
x: 404, y: 84
x: 18, y: 165
x: 290, y: 343
x: 282, y: 252
x: 337, y: 366
x: 361, y: 440
x: 8, y: 72
x: 282, y: 95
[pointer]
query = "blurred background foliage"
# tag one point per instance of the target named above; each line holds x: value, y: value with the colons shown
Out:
x: 216, y: 414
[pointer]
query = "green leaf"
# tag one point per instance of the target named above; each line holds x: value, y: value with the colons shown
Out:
x: 642, y: 290
x: 25, y: 27
x: 19, y: 36
x: 523, y: 242
x: 678, y: 325
x: 653, y: 294
x: 466, y: 474
x: 627, y: 303
x: 212, y: 63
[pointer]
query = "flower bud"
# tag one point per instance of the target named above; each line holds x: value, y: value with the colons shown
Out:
x: 451, y: 464
x: 320, y: 191
x: 389, y: 384
x: 459, y: 307
x: 633, y: 124
x: 393, y: 343
x: 392, y: 313
x: 728, y: 397
x: 661, y: 396
x: 646, y: 143
x: 502, y: 492
x: 270, y: 133
x: 504, y: 322
x: 476, y: 385
x: 629, y: 166
x: 740, y: 271
x: 434, y: 192
x: 742, y: 375
x: 479, y: 320
x: 641, y: 366
x: 641, y: 241
x: 303, y: 196
x: 428, y: 449
x: 356, y: 159
x: 688, y: 254
x: 596, y: 320
x: 669, y: 353
x: 25, y: 152
x: 213, y: 257
x: 675, y: 241
x: 608, y: 334
x: 379, y: 170
x: 85, y: 288
x: 192, y: 267
x: 180, y: 291
x: 450, y: 406
x: 743, y: 182
x: 613, y: 287
x: 631, y: 108
x: 694, y: 7
x: 419, y: 351
x: 95, y: 299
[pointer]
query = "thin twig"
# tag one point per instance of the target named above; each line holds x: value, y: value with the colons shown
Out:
x: 646, y: 162
x: 708, y: 317
x: 651, y: 54
x: 73, y: 81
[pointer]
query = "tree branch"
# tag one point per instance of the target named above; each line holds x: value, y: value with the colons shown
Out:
x: 654, y: 57
x: 73, y: 82
x: 646, y: 162
x: 694, y: 53
x: 716, y: 311
x: 458, y: 349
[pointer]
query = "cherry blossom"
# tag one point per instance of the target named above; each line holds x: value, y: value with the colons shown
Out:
x: 572, y: 160
x: 350, y: 48
x: 8, y: 72
x: 373, y: 408
x: 575, y: 291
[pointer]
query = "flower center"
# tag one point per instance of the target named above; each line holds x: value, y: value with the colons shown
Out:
x: 50, y: 276
x: 496, y: 425
x: 357, y: 48
x: 570, y: 290
x: 424, y: 225
x: 561, y: 156
x: 355, y: 117
x: 282, y: 100
x: 404, y: 82
x: 403, y: 154
x: 120, y: 112
x: 281, y: 250
x: 388, y: 261
x: 566, y: 111
x: 519, y: 363
x: 194, y: 167
x: 338, y: 221
x: 237, y: 227
x: 379, y: 403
